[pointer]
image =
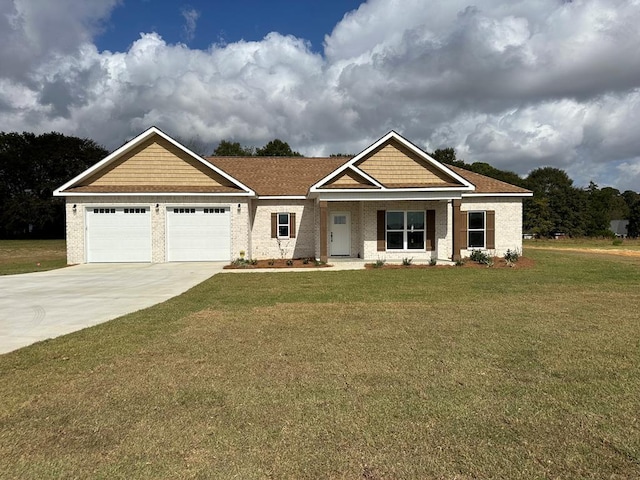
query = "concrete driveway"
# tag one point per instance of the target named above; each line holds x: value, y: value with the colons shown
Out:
x: 37, y: 306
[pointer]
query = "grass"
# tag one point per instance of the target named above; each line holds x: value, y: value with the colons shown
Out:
x: 25, y: 256
x: 585, y: 243
x: 377, y: 374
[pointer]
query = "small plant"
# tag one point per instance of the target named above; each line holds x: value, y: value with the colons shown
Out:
x: 460, y: 262
x: 511, y: 257
x: 617, y: 242
x: 271, y: 262
x: 406, y: 261
x: 305, y: 261
x: 379, y: 263
x: 481, y: 257
x: 289, y: 262
x: 433, y: 262
x: 253, y: 261
x: 318, y: 263
x: 242, y: 253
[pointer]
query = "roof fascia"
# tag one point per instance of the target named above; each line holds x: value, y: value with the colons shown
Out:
x: 386, y: 195
x: 473, y: 194
x: 154, y: 194
x: 116, y: 154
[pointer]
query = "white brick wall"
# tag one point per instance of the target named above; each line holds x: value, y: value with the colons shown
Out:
x: 264, y: 247
x: 508, y: 233
x: 76, y: 221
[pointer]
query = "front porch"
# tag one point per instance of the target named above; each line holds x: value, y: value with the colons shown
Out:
x: 385, y: 230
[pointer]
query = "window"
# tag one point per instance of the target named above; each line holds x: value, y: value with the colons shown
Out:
x: 135, y: 210
x: 405, y: 230
x: 283, y: 225
x: 476, y: 230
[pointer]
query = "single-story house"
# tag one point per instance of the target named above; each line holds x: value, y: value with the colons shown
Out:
x: 154, y: 200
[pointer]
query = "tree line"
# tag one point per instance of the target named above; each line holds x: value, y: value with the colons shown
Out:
x: 32, y: 166
x: 559, y: 207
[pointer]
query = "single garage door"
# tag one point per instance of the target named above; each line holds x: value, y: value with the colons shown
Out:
x: 198, y: 234
x: 118, y: 234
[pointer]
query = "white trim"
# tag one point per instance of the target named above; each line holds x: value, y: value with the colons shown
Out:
x: 282, y: 197
x: 116, y: 154
x: 366, y: 176
x: 154, y: 194
x: 465, y: 195
x: 379, y: 195
x: 466, y: 185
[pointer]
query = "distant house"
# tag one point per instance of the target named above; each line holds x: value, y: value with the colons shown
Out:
x: 154, y: 200
x: 620, y: 228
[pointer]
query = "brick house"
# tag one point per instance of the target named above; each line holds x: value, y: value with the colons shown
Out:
x: 153, y: 200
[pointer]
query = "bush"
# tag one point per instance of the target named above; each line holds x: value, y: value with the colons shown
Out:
x: 460, y: 262
x: 289, y: 262
x: 433, y: 262
x: 379, y: 263
x: 511, y: 256
x: 479, y: 256
x: 407, y: 261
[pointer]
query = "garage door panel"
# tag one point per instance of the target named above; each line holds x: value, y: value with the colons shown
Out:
x: 118, y: 235
x: 198, y: 234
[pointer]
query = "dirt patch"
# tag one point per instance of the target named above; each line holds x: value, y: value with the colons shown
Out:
x: 522, y: 262
x: 278, y: 263
x: 607, y: 251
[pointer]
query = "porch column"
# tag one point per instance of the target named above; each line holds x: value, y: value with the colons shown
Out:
x: 323, y: 231
x: 455, y: 230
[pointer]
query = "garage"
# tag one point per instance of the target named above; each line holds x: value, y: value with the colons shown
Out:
x: 198, y: 234
x: 118, y: 234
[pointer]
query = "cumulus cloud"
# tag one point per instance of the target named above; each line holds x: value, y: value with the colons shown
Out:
x: 519, y: 85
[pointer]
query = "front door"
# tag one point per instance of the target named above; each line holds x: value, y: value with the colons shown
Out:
x: 340, y: 234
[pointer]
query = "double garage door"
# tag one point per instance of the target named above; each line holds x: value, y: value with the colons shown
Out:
x: 123, y: 234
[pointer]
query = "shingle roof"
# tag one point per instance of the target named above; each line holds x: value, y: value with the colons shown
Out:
x: 486, y: 184
x: 282, y: 176
x: 278, y: 176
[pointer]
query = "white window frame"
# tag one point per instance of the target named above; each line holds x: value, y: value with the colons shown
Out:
x: 287, y: 224
x: 483, y: 230
x: 405, y: 231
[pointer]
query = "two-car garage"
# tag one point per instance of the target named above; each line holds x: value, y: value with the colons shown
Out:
x: 125, y: 233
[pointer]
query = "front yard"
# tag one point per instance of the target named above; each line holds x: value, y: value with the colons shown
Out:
x: 378, y: 374
x: 25, y: 256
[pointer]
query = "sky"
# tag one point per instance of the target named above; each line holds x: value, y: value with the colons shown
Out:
x: 517, y: 84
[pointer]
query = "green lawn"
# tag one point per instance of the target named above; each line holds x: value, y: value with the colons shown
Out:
x: 25, y: 256
x: 448, y: 373
x: 588, y: 243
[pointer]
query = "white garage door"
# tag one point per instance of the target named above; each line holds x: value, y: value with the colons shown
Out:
x: 198, y: 234
x: 120, y: 234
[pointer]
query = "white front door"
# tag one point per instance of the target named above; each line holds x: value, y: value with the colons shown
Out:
x: 340, y: 234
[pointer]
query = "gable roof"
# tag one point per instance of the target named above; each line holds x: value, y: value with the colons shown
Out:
x: 98, y: 179
x: 442, y: 177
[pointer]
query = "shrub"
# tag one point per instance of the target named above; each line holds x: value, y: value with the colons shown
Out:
x: 407, y: 261
x: 289, y: 262
x: 271, y: 261
x: 433, y: 262
x: 460, y: 262
x: 617, y: 242
x: 305, y: 261
x: 511, y: 256
x: 379, y: 263
x: 481, y: 257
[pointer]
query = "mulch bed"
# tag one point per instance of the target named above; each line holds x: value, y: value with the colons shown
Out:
x: 278, y: 263
x: 522, y: 262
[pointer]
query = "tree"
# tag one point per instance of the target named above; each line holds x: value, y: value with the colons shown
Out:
x: 632, y: 200
x: 232, y: 149
x: 276, y: 148
x: 448, y: 156
x: 31, y: 167
x: 567, y: 204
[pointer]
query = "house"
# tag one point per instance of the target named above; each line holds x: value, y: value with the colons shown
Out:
x: 153, y: 200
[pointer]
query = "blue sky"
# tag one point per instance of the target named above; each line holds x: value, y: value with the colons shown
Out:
x: 516, y: 84
x: 223, y: 21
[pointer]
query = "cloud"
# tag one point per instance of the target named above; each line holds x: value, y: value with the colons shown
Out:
x: 519, y: 85
x: 190, y: 16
